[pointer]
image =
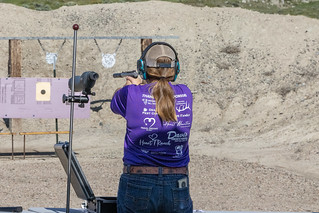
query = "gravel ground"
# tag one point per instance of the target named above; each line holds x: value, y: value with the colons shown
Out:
x: 254, y: 141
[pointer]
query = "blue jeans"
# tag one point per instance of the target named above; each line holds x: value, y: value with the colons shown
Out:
x: 153, y: 193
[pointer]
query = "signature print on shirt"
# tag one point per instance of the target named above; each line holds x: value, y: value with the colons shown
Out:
x: 149, y: 123
x: 148, y: 111
x: 148, y: 102
x: 154, y: 141
x: 183, y: 124
x: 148, y: 99
x: 181, y: 106
x: 171, y: 136
x: 177, y: 137
x: 179, y: 151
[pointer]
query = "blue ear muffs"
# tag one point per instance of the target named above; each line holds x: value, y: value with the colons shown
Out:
x: 141, y: 64
x: 177, y: 69
x: 141, y: 68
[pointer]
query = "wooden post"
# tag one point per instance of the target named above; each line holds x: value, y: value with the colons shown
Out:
x: 145, y: 43
x: 14, y: 70
x: 14, y: 65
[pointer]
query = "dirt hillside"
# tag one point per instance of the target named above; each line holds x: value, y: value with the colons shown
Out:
x: 254, y: 141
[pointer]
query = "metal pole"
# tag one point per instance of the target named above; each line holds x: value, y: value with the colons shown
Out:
x: 91, y: 37
x: 75, y: 28
x: 56, y: 120
x: 12, y: 145
x: 23, y: 146
x: 57, y: 129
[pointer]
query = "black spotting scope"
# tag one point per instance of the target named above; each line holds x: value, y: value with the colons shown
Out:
x: 84, y: 83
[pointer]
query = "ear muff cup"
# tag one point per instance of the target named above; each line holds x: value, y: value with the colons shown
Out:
x: 141, y: 68
x: 141, y: 64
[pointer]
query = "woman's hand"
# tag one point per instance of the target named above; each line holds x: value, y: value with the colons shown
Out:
x: 130, y: 80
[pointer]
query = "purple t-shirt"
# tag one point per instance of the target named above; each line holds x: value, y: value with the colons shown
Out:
x: 148, y: 141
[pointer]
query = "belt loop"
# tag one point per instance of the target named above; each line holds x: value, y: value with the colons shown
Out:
x: 128, y: 169
x: 160, y: 171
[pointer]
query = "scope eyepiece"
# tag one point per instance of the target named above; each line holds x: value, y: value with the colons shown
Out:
x: 85, y: 82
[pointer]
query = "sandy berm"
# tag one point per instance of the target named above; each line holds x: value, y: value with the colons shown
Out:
x: 254, y: 77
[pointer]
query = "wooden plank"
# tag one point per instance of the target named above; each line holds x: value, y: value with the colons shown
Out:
x: 145, y: 43
x: 7, y: 133
x: 14, y: 65
x: 44, y: 133
x: 14, y: 70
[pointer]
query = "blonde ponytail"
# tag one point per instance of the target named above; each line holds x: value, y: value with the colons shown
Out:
x: 162, y: 92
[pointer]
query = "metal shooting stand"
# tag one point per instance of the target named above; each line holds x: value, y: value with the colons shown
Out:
x: 80, y: 184
x: 64, y: 151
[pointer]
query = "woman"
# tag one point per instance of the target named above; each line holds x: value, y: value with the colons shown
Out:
x: 159, y: 118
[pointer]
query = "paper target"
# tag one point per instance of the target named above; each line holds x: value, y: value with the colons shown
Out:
x: 108, y: 60
x: 51, y: 57
x: 43, y: 91
x: 37, y: 98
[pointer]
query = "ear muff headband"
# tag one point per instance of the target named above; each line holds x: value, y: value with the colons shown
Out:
x: 141, y: 64
x: 177, y: 69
